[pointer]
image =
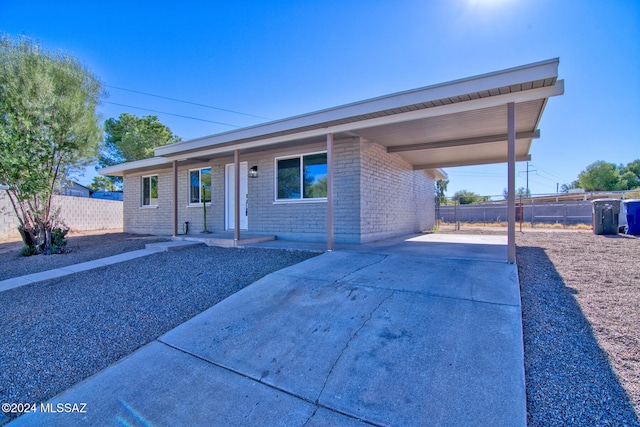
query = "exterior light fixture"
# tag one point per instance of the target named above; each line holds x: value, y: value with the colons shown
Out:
x: 253, y: 172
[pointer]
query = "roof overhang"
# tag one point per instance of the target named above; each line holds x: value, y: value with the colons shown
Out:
x: 463, y: 122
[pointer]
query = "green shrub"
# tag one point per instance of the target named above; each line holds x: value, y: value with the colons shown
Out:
x: 58, y: 240
x: 26, y: 251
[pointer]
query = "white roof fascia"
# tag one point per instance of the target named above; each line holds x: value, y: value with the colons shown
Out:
x: 118, y: 170
x: 513, y: 76
x: 458, y: 107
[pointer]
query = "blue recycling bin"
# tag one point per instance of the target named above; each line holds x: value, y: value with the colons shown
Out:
x: 632, y: 209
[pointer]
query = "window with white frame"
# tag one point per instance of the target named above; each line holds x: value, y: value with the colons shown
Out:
x: 301, y: 177
x: 150, y: 190
x: 199, y: 186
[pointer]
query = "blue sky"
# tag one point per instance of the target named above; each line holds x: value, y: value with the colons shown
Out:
x: 277, y: 58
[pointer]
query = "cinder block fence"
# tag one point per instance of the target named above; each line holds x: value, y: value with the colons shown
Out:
x: 78, y: 213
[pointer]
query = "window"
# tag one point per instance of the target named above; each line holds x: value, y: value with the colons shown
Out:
x: 199, y: 186
x: 302, y: 177
x: 150, y: 190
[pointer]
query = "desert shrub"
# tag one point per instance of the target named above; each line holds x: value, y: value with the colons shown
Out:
x: 25, y: 251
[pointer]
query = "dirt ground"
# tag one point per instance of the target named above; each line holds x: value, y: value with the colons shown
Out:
x: 581, y: 320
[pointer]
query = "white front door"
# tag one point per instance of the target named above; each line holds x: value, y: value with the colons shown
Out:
x: 229, y: 196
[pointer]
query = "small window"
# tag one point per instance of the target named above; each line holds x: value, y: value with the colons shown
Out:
x: 150, y: 190
x: 302, y: 177
x: 199, y: 186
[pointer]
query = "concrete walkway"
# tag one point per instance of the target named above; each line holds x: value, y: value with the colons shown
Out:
x: 379, y: 335
x: 150, y: 248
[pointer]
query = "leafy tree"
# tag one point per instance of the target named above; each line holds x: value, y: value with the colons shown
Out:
x: 633, y: 167
x: 315, y: 188
x: 129, y: 138
x: 468, y: 197
x: 603, y: 176
x: 599, y: 176
x: 630, y: 176
x: 520, y: 192
x: 102, y: 183
x: 441, y: 189
x: 49, y: 129
x: 564, y: 188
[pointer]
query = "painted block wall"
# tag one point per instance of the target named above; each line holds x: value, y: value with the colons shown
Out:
x: 377, y: 195
x: 395, y: 199
x: 78, y: 213
x: 305, y: 220
x: 148, y: 220
x: 195, y: 214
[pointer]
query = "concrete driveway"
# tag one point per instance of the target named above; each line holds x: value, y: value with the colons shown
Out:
x: 403, y: 332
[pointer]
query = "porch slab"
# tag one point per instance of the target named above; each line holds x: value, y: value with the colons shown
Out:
x: 225, y: 240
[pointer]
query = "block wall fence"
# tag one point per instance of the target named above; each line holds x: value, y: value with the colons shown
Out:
x: 78, y: 213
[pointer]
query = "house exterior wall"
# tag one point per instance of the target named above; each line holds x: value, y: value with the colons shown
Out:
x: 376, y: 195
x: 395, y: 199
x: 148, y: 220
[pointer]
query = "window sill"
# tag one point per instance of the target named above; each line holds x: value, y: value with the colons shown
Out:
x: 197, y: 205
x: 149, y: 207
x: 297, y: 201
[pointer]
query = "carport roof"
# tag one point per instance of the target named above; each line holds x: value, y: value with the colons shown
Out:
x: 462, y: 122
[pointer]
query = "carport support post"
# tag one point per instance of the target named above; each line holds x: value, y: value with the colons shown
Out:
x: 236, y: 196
x: 175, y: 197
x: 329, y: 191
x: 511, y: 204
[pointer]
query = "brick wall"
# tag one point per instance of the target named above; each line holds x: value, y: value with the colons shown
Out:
x: 78, y: 213
x: 395, y: 199
x: 148, y: 220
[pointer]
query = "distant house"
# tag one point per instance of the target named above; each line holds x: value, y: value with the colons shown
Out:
x: 72, y: 188
x: 353, y: 173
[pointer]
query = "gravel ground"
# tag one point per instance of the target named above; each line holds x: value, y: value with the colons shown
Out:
x: 56, y: 333
x: 82, y: 247
x: 581, y: 320
x: 580, y: 296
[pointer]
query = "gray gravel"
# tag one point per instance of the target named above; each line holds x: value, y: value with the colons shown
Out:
x: 581, y: 324
x: 87, y: 247
x: 56, y: 333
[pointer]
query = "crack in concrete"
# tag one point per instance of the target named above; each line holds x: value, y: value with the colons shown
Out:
x: 310, y: 416
x: 349, y: 342
x: 271, y: 386
x: 361, y: 268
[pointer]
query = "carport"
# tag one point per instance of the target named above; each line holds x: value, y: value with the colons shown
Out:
x: 492, y: 118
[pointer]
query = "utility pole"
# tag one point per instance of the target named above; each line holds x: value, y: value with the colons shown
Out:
x: 529, y: 170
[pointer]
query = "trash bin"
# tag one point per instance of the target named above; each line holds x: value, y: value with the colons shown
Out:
x: 631, y: 212
x: 604, y: 215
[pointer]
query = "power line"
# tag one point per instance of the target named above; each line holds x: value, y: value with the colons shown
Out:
x: 171, y: 114
x: 551, y: 174
x: 187, y: 102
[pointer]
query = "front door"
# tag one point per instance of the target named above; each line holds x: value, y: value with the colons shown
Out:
x: 229, y: 198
